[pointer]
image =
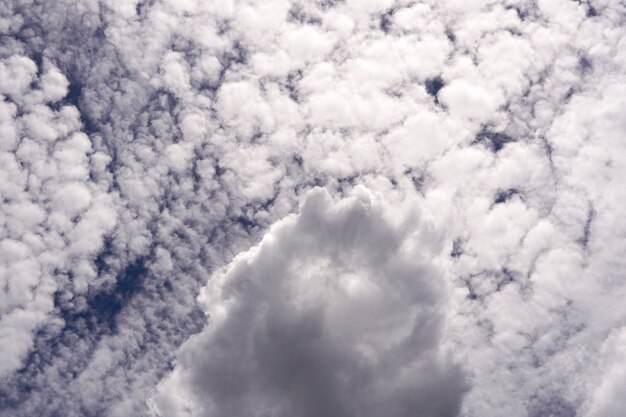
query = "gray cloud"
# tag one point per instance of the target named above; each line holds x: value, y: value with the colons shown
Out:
x: 338, y: 312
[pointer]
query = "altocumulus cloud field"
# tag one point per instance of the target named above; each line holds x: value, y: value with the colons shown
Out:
x: 322, y: 208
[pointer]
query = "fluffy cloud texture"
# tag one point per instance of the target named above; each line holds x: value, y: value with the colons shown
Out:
x: 54, y: 216
x: 339, y: 311
x: 450, y: 170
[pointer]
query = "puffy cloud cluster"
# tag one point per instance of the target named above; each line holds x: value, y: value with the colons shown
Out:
x: 54, y: 213
x: 339, y: 311
x: 146, y: 144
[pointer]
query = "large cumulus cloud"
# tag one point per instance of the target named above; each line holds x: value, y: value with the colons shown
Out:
x: 339, y: 311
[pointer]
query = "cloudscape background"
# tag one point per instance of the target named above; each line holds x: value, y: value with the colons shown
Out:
x: 342, y: 208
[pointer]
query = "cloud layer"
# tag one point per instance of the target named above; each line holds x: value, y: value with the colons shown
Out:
x: 147, y: 147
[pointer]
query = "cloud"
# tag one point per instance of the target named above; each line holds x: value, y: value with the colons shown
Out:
x: 338, y: 311
x: 54, y: 217
x: 468, y: 101
x: 607, y: 399
x: 143, y: 145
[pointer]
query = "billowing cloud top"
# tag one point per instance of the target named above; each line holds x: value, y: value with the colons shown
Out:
x: 338, y: 312
x: 387, y: 207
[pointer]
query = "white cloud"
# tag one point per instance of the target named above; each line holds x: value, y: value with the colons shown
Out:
x: 143, y: 145
x: 47, y: 184
x: 468, y: 101
x: 241, y: 106
x: 607, y: 399
x: 16, y: 74
x: 307, y: 44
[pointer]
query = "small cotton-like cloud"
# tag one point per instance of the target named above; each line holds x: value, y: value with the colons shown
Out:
x: 468, y: 101
x: 339, y: 311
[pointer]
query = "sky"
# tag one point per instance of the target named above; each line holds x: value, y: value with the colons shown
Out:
x: 305, y: 208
